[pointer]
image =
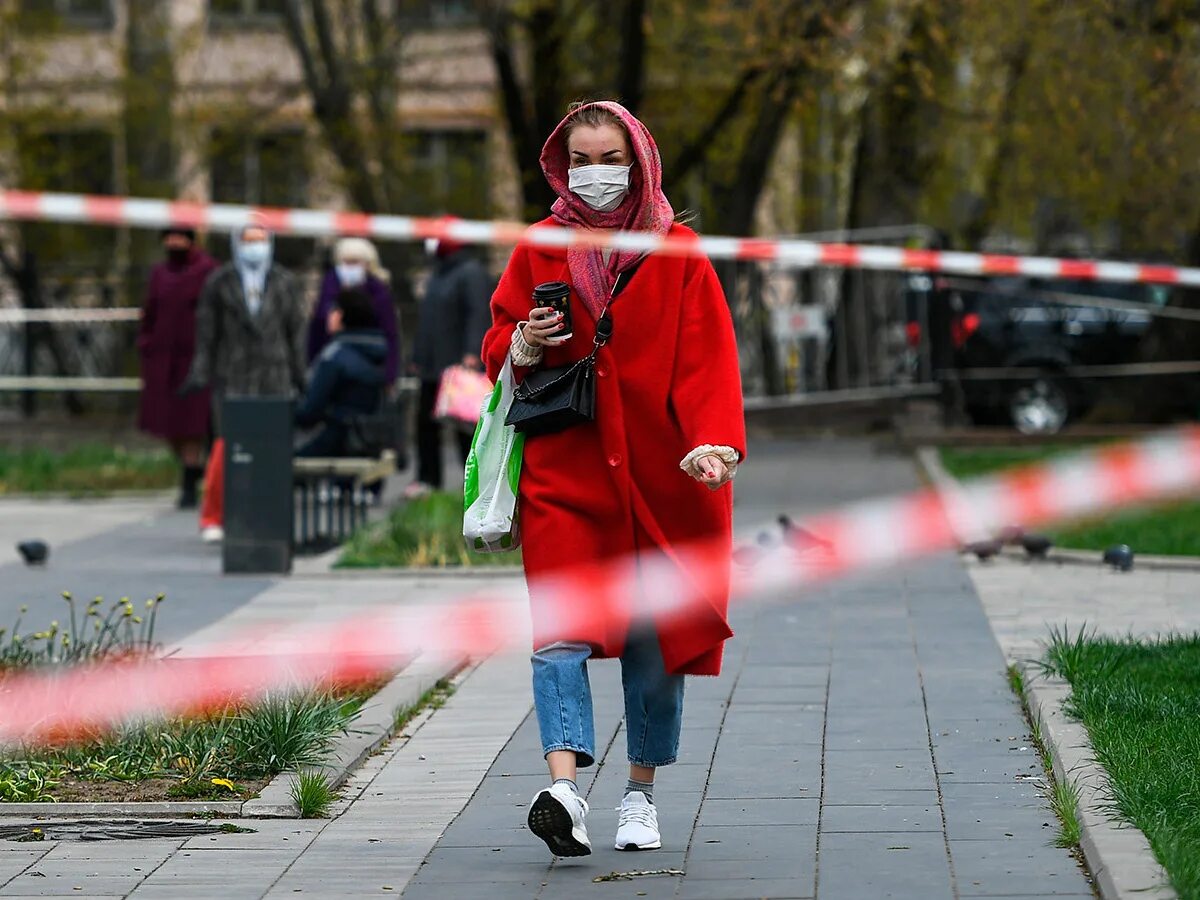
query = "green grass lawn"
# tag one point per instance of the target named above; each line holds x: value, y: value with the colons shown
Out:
x: 1171, y: 529
x: 86, y: 470
x: 423, y: 532
x: 1140, y: 703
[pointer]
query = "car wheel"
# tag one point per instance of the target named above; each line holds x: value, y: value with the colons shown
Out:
x: 1041, y: 406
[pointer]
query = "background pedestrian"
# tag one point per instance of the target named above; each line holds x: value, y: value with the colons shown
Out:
x: 357, y: 265
x: 250, y: 328
x: 452, y: 318
x: 348, y: 379
x: 166, y: 344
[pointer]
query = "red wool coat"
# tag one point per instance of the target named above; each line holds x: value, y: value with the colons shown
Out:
x: 666, y: 383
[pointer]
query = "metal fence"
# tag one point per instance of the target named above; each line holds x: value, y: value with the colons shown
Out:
x: 801, y: 332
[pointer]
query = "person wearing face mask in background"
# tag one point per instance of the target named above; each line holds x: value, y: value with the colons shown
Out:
x: 452, y: 317
x: 166, y: 343
x: 356, y: 265
x: 250, y: 330
x: 650, y: 474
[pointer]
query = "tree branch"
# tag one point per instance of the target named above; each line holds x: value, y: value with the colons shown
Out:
x: 696, y: 150
x: 631, y: 81
x: 293, y: 20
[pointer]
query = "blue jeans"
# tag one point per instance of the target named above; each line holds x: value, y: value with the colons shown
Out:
x: 562, y: 697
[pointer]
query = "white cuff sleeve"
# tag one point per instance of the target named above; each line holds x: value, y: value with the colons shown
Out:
x: 727, y: 455
x: 522, y: 352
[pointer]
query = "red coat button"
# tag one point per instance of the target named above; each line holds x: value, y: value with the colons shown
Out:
x: 615, y: 460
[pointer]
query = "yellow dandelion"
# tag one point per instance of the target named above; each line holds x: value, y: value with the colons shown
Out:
x: 149, y: 604
x: 137, y: 620
x: 66, y: 595
x: 225, y: 783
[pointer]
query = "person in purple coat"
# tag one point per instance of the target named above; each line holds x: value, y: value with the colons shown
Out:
x: 356, y: 265
x: 166, y: 344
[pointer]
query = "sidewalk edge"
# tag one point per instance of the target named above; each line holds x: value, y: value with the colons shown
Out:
x: 374, y: 726
x: 1120, y: 859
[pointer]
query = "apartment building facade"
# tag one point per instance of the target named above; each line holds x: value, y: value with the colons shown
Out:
x: 242, y: 126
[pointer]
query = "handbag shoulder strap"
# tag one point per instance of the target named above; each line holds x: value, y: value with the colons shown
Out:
x: 604, y: 323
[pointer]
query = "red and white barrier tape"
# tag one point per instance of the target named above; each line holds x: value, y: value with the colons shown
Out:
x: 146, y: 213
x: 860, y: 537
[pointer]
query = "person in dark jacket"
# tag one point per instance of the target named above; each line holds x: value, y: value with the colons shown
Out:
x: 250, y: 327
x: 166, y: 343
x: 349, y: 376
x: 356, y: 265
x: 452, y: 318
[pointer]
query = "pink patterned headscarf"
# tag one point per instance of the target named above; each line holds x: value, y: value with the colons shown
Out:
x: 645, y: 208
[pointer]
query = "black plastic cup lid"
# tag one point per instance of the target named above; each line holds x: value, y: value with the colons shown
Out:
x: 550, y: 289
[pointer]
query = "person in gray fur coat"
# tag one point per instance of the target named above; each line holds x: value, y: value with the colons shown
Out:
x: 250, y: 330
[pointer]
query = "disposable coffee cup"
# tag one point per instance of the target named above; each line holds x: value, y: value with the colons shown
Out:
x: 556, y: 295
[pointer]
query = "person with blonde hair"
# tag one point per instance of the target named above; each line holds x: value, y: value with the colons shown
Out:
x: 357, y: 265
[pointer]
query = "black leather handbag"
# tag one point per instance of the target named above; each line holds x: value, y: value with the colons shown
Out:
x: 551, y: 400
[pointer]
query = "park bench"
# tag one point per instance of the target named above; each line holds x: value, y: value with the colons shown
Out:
x: 331, y: 496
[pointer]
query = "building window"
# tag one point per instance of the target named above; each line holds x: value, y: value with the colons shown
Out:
x: 39, y: 14
x: 268, y: 11
x: 264, y: 170
x: 450, y: 173
x: 82, y: 162
x: 436, y: 13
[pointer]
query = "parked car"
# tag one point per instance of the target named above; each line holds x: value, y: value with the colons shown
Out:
x: 978, y: 326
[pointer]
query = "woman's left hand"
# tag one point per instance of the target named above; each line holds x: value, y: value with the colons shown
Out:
x: 712, y: 472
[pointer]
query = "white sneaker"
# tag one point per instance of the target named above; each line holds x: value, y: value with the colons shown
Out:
x: 637, y: 826
x: 556, y: 816
x: 213, y: 534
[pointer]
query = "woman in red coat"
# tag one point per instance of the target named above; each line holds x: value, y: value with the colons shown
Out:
x: 166, y: 343
x: 651, y: 473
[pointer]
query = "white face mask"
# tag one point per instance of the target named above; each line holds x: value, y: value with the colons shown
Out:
x: 351, y: 274
x: 255, y: 254
x: 600, y: 187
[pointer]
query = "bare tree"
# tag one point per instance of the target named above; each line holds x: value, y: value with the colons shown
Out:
x: 350, y: 56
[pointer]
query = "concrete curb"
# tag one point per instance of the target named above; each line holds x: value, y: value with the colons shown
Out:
x: 150, y: 809
x: 929, y: 464
x: 374, y: 726
x: 415, y: 572
x: 1118, y: 855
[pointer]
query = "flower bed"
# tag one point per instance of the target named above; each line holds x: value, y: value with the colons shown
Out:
x: 226, y: 754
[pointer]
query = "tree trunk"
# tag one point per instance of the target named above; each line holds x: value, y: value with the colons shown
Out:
x: 150, y: 87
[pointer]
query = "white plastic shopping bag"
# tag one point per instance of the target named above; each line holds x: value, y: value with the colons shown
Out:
x: 493, y: 471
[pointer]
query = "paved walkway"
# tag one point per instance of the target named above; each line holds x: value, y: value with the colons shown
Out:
x: 861, y: 743
x: 1024, y: 599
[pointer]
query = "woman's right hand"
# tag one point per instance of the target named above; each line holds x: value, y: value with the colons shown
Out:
x: 544, y: 323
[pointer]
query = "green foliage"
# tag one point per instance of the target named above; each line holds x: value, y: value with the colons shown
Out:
x: 434, y: 698
x: 423, y: 532
x: 1064, y: 800
x: 88, y: 636
x: 312, y: 794
x: 1168, y: 529
x: 1140, y: 703
x: 202, y: 755
x: 86, y: 470
x: 277, y: 734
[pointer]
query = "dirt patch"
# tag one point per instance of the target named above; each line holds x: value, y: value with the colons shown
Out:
x: 79, y: 790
